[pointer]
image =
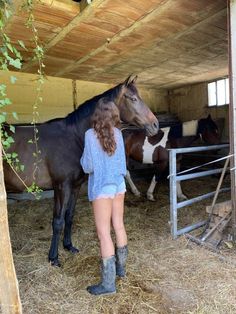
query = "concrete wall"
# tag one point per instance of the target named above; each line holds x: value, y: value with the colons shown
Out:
x: 57, y: 96
x: 191, y: 102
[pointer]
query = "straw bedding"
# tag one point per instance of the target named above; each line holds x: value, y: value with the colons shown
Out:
x: 163, y: 276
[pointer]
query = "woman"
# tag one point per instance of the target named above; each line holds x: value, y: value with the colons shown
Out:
x: 104, y: 160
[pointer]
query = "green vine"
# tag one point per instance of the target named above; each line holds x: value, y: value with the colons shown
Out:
x: 38, y: 56
x: 11, y: 57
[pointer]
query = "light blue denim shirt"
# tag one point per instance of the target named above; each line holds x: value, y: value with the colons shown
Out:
x: 102, y: 168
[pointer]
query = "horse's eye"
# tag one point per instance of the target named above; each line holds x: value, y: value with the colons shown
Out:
x: 130, y: 97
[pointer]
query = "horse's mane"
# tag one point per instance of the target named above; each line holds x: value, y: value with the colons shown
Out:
x: 86, y: 109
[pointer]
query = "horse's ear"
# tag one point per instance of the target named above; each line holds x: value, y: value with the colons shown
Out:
x: 134, y: 79
x: 209, y: 117
x: 130, y: 80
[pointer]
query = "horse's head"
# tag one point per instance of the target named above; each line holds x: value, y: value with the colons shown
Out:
x: 133, y: 110
x: 208, y: 130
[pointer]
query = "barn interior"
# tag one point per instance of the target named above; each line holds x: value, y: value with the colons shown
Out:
x: 175, y: 48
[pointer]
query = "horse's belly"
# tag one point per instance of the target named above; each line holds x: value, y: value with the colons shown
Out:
x: 22, y: 180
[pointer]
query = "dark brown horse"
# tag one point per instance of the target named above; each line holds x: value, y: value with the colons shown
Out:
x: 153, y: 149
x: 61, y: 143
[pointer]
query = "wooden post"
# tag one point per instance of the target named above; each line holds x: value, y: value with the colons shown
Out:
x: 9, y: 292
x: 232, y: 105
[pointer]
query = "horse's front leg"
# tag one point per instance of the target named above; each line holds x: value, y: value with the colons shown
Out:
x: 134, y: 190
x: 67, y: 242
x: 156, y: 178
x: 61, y: 198
x: 151, y: 189
x: 180, y: 195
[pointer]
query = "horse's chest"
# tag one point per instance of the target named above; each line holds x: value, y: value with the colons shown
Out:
x: 150, y: 149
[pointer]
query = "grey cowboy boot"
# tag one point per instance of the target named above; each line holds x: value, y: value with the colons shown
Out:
x: 121, y: 257
x: 108, y: 272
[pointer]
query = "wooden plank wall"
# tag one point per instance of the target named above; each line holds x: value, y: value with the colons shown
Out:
x: 58, y: 96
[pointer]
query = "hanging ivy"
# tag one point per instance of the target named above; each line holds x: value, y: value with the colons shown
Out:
x: 11, y: 57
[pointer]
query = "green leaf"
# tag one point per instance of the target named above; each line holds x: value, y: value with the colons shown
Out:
x: 6, y: 144
x: 14, y: 155
x: 15, y: 63
x: 17, y: 53
x: 10, y: 140
x: 22, y: 167
x: 13, y: 79
x: 15, y: 116
x: 7, y: 13
x: 2, y: 118
x: 9, y: 46
x: 7, y: 101
x: 30, y: 141
x: 2, y: 103
x: 3, y: 87
x: 21, y: 43
x: 12, y: 128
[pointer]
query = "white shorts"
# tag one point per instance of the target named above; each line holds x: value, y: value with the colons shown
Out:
x: 112, y: 190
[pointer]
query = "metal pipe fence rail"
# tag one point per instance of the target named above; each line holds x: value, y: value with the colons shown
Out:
x: 174, y: 178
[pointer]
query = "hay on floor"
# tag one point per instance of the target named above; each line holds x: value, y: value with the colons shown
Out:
x: 163, y: 276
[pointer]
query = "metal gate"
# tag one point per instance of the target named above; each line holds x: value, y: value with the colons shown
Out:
x: 174, y: 178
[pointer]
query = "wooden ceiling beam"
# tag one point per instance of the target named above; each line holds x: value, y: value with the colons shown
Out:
x: 61, y: 4
x: 81, y: 17
x: 136, y: 25
x: 188, y: 31
x: 127, y: 31
x: 187, y: 54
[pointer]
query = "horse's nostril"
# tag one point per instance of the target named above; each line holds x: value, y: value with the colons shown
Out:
x: 155, y: 125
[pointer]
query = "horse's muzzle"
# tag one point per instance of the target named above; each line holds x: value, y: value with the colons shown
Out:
x: 152, y: 129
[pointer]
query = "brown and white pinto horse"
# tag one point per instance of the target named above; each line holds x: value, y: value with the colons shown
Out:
x: 61, y: 142
x: 154, y: 149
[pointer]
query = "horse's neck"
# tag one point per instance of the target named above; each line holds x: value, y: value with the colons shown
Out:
x: 82, y: 115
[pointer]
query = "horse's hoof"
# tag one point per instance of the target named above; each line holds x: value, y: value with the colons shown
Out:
x: 151, y: 198
x: 71, y: 249
x: 137, y: 194
x: 182, y: 198
x: 55, y: 263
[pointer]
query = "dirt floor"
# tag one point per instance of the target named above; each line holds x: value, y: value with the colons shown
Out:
x: 163, y: 275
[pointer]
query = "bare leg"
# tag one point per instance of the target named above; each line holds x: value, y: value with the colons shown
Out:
x: 134, y: 190
x: 117, y: 220
x: 102, y: 209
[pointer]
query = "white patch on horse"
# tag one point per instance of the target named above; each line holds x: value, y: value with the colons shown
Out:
x: 148, y: 148
x: 165, y: 137
x: 190, y: 128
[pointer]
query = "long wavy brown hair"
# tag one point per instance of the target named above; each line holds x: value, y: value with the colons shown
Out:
x: 105, y: 117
